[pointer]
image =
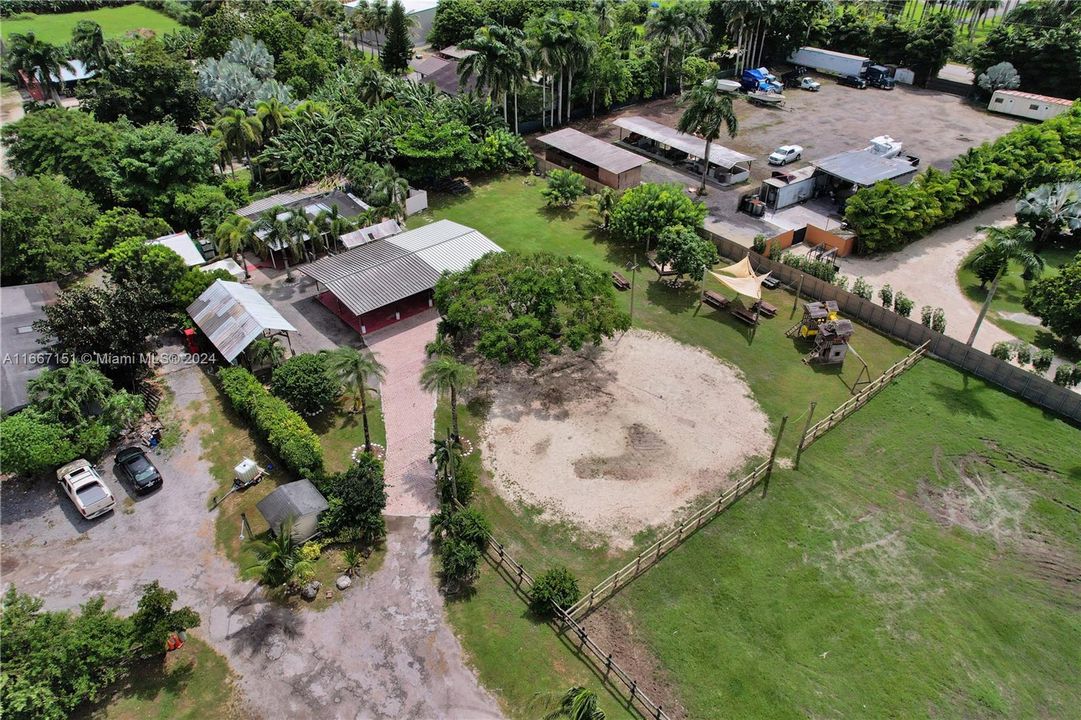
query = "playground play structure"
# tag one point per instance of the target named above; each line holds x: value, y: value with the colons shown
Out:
x: 830, y: 336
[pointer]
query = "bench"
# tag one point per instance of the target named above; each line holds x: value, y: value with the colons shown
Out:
x: 771, y: 282
x: 715, y: 299
x: 745, y: 315
x: 765, y: 308
x: 619, y: 281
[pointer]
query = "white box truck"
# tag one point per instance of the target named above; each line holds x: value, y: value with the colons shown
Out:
x: 830, y: 61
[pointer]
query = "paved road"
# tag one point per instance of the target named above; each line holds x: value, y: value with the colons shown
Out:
x: 383, y: 651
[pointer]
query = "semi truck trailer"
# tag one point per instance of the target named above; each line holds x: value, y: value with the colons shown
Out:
x: 830, y: 61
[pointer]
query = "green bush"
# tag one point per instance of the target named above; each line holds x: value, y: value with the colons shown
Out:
x: 504, y: 151
x: 938, y: 320
x: 459, y: 561
x: 306, y: 383
x: 1002, y: 351
x: 33, y: 444
x: 886, y: 295
x: 861, y: 288
x: 887, y: 216
x: 1041, y: 362
x: 925, y: 315
x: 554, y: 590
x: 285, y: 431
x: 1024, y: 352
x: 1065, y: 375
x: 357, y: 499
x: 902, y: 304
x: 564, y: 188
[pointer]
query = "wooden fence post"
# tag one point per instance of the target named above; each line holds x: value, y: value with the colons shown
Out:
x: 773, y: 455
x: 806, y: 427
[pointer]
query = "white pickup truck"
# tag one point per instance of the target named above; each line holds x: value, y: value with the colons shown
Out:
x: 807, y: 83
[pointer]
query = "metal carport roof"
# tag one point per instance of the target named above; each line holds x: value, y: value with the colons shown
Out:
x: 604, y: 155
x: 689, y: 144
x: 391, y: 269
x: 861, y: 167
x: 232, y: 315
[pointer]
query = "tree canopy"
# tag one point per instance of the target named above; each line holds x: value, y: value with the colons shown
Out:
x: 1057, y: 300
x: 519, y: 308
x: 643, y: 212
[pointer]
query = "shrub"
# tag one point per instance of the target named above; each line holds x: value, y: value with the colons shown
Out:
x: 470, y: 526
x: 1077, y: 374
x: 311, y: 551
x: 357, y: 499
x: 285, y: 431
x: 938, y: 320
x: 306, y: 383
x: 1002, y: 351
x: 1024, y: 353
x: 1065, y: 375
x: 841, y: 281
x: 902, y: 305
x: 886, y: 295
x: 564, y: 188
x: 504, y: 151
x: 861, y: 288
x: 1041, y: 362
x: 33, y: 444
x: 925, y: 316
x: 459, y: 561
x: 759, y: 244
x: 556, y: 589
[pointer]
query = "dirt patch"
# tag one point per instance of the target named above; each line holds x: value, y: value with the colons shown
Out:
x: 979, y: 503
x: 618, y: 439
x: 614, y: 632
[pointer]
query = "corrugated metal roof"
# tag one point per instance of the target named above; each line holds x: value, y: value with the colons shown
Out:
x: 862, y: 167
x: 232, y: 315
x: 689, y: 144
x: 384, y: 271
x: 373, y: 232
x: 1034, y: 96
x: 286, y: 198
x: 596, y: 152
x: 182, y: 244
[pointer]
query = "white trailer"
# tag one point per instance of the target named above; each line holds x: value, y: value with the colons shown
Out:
x: 786, y: 189
x: 1027, y: 105
x: 830, y: 61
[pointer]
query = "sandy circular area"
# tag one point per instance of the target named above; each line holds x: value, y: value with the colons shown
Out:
x: 619, y: 439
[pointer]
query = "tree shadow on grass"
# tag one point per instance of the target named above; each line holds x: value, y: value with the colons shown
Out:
x: 147, y: 680
x: 676, y: 299
x: 553, y: 212
x: 964, y: 400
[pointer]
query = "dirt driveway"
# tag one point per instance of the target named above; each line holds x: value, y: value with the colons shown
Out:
x: 383, y: 651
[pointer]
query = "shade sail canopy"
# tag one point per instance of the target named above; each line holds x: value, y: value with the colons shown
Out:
x: 741, y: 269
x: 694, y: 146
x: 748, y: 286
x: 232, y: 315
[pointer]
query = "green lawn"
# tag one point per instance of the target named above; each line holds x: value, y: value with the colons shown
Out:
x: 115, y: 22
x: 1010, y: 295
x: 979, y: 34
x: 193, y: 683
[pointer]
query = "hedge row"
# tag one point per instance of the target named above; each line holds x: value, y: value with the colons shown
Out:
x: 887, y: 216
x: 284, y: 430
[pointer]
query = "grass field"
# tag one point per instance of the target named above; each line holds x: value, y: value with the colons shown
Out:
x: 847, y: 557
x: 55, y: 29
x: 980, y: 31
x: 193, y: 683
x: 1010, y: 295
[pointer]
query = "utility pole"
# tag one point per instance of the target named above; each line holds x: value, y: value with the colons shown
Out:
x: 803, y: 437
x: 633, y: 267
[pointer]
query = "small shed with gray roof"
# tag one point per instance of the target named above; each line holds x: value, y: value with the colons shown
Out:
x: 299, y: 502
x: 595, y: 159
x: 232, y: 316
x: 387, y: 279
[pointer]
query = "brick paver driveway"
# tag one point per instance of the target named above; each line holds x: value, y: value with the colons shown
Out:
x: 409, y: 413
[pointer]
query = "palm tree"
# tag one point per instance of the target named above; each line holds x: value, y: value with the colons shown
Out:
x: 276, y: 230
x: 603, y: 203
x: 578, y: 703
x: 231, y: 237
x: 240, y: 131
x: 446, y: 454
x: 272, y: 114
x: 36, y: 58
x: 706, y: 112
x: 441, y: 346
x: 266, y: 352
x: 665, y: 26
x: 549, y: 37
x: 1005, y: 245
x: 1049, y: 207
x: 390, y: 191
x: 88, y: 44
x: 333, y: 225
x: 486, y: 63
x: 278, y: 560
x: 69, y: 393
x: 447, y: 375
x: 354, y: 369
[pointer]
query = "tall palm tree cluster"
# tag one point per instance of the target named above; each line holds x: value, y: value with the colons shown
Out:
x: 39, y: 60
x: 969, y: 12
x: 676, y: 27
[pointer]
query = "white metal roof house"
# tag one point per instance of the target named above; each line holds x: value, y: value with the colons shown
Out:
x: 232, y: 316
x: 383, y: 280
x: 182, y: 244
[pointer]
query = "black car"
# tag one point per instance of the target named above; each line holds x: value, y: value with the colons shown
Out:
x: 133, y: 465
x: 853, y: 81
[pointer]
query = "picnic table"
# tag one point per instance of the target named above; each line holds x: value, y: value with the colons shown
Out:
x: 745, y: 315
x: 620, y: 281
x: 715, y: 299
x: 765, y: 308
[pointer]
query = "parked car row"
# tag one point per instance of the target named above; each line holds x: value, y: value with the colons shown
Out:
x: 80, y: 481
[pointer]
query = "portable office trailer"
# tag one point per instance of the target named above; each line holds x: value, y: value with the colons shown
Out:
x: 830, y: 61
x: 788, y: 188
x: 1027, y: 105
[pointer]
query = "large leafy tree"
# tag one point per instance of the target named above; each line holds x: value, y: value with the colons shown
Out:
x: 46, y: 230
x: 355, y: 370
x: 686, y: 251
x: 455, y: 21
x: 706, y: 114
x: 145, y: 84
x: 217, y: 30
x: 88, y: 45
x: 930, y: 47
x: 643, y: 212
x: 1057, y: 300
x: 155, y: 620
x: 435, y: 147
x: 518, y: 308
x: 357, y: 499
x: 71, y: 143
x: 395, y: 54
x: 1005, y: 245
x: 446, y: 376
x: 156, y: 161
x: 155, y: 268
